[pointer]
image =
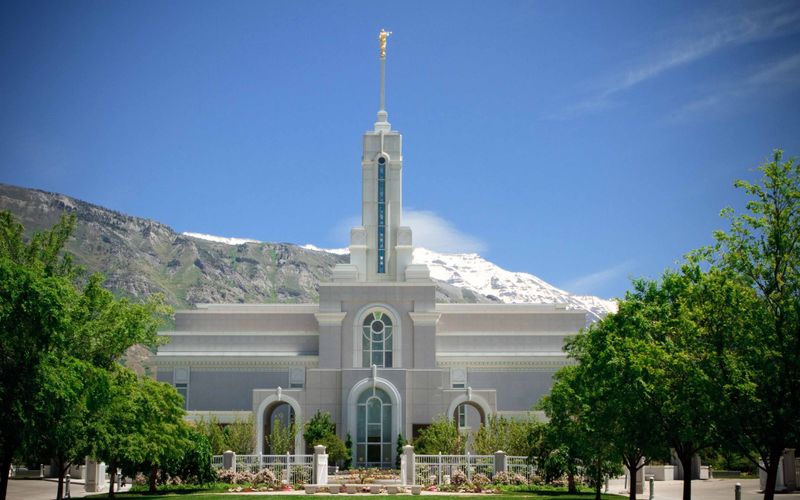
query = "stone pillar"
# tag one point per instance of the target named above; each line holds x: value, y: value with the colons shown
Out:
x: 696, y: 467
x: 789, y: 471
x: 320, y: 465
x: 409, y: 469
x: 500, y: 462
x: 229, y: 460
x: 95, y: 477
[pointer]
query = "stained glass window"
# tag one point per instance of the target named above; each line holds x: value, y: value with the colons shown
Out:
x: 381, y: 215
x: 376, y: 340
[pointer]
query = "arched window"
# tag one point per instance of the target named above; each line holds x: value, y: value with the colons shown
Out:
x: 376, y: 340
x: 374, y: 429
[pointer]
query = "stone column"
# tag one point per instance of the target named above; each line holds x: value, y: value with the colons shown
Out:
x: 95, y: 476
x: 320, y: 465
x: 789, y: 472
x: 409, y: 469
x: 229, y: 460
x: 500, y: 462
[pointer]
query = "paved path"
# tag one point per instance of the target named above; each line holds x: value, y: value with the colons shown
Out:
x: 711, y: 489
x: 41, y: 489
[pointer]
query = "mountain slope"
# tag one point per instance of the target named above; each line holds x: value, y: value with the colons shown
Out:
x: 140, y: 256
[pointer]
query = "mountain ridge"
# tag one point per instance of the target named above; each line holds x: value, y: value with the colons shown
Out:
x: 140, y: 256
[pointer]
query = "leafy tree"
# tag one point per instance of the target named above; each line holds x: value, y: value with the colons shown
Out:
x: 401, y: 441
x: 240, y: 436
x: 194, y: 464
x: 613, y: 358
x: 348, y: 462
x: 762, y: 249
x: 320, y: 426
x: 213, y: 432
x: 321, y: 430
x: 501, y: 433
x: 281, y: 437
x: 572, y: 428
x: 36, y: 295
x: 442, y: 436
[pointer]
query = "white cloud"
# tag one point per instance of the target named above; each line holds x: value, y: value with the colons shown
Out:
x: 784, y: 72
x: 590, y: 282
x: 429, y: 231
x: 709, y: 37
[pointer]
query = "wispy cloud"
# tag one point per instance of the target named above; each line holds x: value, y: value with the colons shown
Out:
x: 784, y: 72
x: 590, y: 283
x: 708, y: 38
x: 430, y: 231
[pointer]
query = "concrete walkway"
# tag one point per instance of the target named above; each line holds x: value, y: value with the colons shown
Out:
x: 42, y: 489
x: 710, y: 489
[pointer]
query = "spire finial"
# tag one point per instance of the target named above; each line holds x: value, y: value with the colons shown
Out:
x: 383, y: 116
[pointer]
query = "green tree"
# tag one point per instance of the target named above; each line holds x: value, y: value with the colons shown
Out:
x: 194, y: 464
x: 36, y: 295
x: 762, y: 248
x: 442, y: 436
x: 320, y: 426
x: 348, y: 443
x: 501, y: 433
x: 213, y: 432
x: 401, y: 442
x: 240, y: 436
x: 571, y: 428
x: 614, y: 357
x: 281, y: 437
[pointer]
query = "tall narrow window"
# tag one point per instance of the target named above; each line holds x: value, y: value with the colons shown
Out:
x: 376, y: 340
x: 374, y: 429
x: 381, y: 215
x: 183, y: 390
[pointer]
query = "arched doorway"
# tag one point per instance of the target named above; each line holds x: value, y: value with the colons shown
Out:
x: 374, y: 429
x: 279, y: 418
x: 285, y: 408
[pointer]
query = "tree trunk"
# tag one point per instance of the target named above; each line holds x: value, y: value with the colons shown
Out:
x: 112, y: 478
x: 60, y: 487
x: 772, y: 473
x: 633, y: 471
x: 597, y: 489
x: 571, y: 483
x: 685, y: 459
x: 598, y: 480
x: 153, y: 477
x: 5, y: 467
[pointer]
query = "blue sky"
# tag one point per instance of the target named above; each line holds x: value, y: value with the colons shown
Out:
x: 584, y: 142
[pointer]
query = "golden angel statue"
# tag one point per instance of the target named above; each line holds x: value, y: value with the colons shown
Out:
x: 382, y: 36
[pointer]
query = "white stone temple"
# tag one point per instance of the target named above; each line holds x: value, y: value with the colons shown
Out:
x: 377, y: 352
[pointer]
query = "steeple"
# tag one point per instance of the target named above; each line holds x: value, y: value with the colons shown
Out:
x: 383, y: 116
x: 381, y: 248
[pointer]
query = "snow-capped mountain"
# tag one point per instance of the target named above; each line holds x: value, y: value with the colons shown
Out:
x: 469, y: 270
x: 473, y: 272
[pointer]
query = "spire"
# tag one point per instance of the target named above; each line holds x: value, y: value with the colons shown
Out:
x: 383, y: 116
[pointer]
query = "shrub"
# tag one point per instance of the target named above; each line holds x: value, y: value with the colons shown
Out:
x: 480, y: 480
x: 458, y: 478
x: 501, y: 478
x: 227, y: 476
x: 265, y: 477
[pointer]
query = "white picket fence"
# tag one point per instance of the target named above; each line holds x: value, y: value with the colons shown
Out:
x: 439, y: 469
x: 294, y: 469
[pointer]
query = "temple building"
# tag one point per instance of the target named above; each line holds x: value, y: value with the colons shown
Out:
x: 377, y: 352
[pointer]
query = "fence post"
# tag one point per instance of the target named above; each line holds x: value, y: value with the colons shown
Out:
x: 441, y: 464
x: 229, y: 460
x: 286, y: 474
x: 500, y: 461
x: 738, y: 491
x: 320, y: 465
x: 469, y: 468
x: 67, y: 494
x: 410, y: 469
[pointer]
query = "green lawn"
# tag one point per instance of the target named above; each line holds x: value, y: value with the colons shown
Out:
x: 544, y: 495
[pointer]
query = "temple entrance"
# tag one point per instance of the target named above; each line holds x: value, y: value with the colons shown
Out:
x: 374, y: 429
x: 279, y: 419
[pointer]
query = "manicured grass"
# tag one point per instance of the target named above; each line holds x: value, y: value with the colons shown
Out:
x: 544, y: 495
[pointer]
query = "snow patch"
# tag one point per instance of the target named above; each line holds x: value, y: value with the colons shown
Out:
x: 337, y: 251
x: 220, y: 239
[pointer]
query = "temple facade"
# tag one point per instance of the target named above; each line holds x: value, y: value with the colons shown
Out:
x: 377, y: 352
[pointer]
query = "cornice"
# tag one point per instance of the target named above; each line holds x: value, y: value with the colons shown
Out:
x: 330, y: 318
